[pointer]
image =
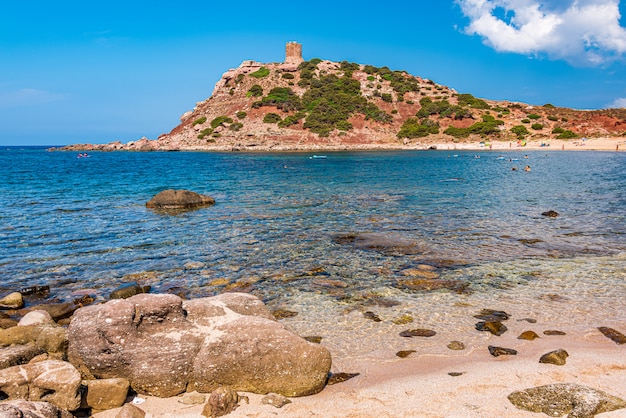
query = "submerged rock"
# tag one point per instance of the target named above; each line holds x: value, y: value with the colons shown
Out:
x: 559, y: 399
x: 177, y: 200
x: 528, y: 335
x: 613, y: 334
x: 501, y: 351
x: 405, y: 353
x: 418, y: 332
x: 340, y: 377
x: 423, y: 284
x: 456, y: 345
x: 372, y: 316
x: 492, y: 315
x: 553, y: 332
x: 494, y: 327
x: 550, y: 214
x: 555, y: 357
x: 382, y: 243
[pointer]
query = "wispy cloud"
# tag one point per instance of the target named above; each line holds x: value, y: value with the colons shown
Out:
x: 617, y: 103
x: 27, y: 97
x: 582, y: 32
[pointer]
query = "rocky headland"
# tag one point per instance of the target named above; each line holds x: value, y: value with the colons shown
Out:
x: 324, y: 105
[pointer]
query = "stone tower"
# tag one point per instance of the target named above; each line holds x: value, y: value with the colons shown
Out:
x: 293, y: 53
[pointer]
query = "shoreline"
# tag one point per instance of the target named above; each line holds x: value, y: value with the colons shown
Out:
x: 421, y: 386
x: 588, y: 144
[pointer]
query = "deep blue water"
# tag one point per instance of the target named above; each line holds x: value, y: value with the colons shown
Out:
x: 82, y: 223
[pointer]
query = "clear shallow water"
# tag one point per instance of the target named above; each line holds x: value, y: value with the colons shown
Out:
x: 282, y: 224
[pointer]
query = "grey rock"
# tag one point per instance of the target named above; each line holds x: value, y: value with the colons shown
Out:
x: 558, y: 399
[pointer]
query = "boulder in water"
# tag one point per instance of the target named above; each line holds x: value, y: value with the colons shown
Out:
x: 177, y: 200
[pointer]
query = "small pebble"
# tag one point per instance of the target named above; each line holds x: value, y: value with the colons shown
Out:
x: 405, y: 353
x: 456, y: 345
x: 528, y: 335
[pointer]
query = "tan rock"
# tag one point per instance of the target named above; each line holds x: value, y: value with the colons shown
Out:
x: 12, y: 301
x: 57, y: 382
x: 103, y: 394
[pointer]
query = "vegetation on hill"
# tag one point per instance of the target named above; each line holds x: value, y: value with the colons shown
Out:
x: 336, y: 99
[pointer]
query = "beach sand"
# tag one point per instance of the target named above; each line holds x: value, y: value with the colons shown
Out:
x: 589, y: 144
x: 420, y: 386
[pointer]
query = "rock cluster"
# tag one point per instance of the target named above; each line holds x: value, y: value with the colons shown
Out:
x: 158, y: 345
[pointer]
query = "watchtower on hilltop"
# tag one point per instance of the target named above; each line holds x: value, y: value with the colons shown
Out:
x: 293, y: 53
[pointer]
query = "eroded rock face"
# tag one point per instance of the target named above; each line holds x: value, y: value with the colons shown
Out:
x: 566, y: 398
x: 53, y: 381
x: 179, y: 200
x: 165, y: 346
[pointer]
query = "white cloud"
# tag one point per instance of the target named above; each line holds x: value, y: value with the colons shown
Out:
x: 583, y: 32
x: 617, y: 103
x: 27, y: 97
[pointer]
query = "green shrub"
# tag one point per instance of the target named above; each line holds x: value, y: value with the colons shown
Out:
x: 533, y: 116
x: 553, y: 118
x: 291, y: 120
x: 394, y: 111
x: 288, y: 76
x: 409, y: 102
x: 282, y: 97
x: 414, y: 128
x: 241, y: 115
x: 271, y: 118
x: 199, y: 121
x: 255, y: 91
x: 387, y: 97
x: 567, y: 135
x: 537, y: 126
x: 239, y: 78
x: 558, y: 130
x: 520, y: 131
x: 220, y: 120
x: 564, y: 120
x: 205, y: 132
x: 525, y: 121
x: 235, y: 126
x: 260, y: 73
x: 457, y: 132
x: 549, y: 106
x: 371, y: 78
x: 471, y: 101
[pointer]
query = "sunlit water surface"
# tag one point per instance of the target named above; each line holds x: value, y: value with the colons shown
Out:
x: 330, y: 238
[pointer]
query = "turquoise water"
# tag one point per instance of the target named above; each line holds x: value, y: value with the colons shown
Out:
x: 290, y: 228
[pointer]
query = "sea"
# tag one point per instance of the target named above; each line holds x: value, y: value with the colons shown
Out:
x: 349, y: 247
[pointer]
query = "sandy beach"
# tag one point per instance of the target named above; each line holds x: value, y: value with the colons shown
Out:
x: 421, y: 386
x: 589, y: 144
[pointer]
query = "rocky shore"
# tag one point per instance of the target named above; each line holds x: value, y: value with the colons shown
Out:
x: 142, y: 354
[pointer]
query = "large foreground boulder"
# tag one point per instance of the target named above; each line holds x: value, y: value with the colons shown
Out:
x: 179, y: 200
x: 165, y: 346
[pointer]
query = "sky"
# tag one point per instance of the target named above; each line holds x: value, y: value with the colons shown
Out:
x: 101, y: 71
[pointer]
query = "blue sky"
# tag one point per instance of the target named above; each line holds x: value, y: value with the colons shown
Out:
x: 99, y: 71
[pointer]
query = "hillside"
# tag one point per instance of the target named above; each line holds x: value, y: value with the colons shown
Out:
x: 320, y: 104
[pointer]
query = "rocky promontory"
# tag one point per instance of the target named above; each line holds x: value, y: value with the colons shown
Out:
x: 321, y: 104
